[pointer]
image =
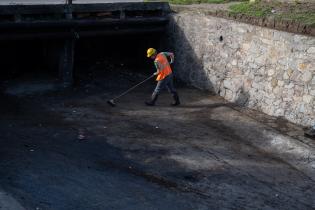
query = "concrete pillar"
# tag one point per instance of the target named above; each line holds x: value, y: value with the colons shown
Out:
x: 66, y: 62
x: 122, y: 14
x: 67, y: 53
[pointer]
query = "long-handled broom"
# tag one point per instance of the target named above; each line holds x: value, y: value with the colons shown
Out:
x: 112, y: 101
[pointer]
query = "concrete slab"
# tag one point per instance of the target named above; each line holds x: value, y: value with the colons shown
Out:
x: 70, y: 150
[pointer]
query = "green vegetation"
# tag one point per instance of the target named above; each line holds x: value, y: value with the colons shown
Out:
x: 307, y: 18
x: 304, y: 13
x: 251, y: 9
x: 296, y: 11
x: 200, y: 1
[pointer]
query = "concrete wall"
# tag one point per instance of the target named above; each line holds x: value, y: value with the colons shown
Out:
x: 264, y: 69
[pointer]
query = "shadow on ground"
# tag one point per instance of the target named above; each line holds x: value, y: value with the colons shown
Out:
x: 70, y: 150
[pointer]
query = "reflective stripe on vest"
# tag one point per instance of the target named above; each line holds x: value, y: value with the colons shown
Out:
x: 164, y: 66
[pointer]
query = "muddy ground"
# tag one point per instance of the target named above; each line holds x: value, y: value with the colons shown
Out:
x: 67, y: 149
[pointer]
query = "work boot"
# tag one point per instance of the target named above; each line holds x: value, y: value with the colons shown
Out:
x: 176, y: 99
x: 153, y: 100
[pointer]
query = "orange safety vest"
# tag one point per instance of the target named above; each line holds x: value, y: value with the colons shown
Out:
x: 164, y: 66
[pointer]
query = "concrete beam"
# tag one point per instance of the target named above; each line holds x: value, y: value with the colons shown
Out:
x: 80, y: 34
x: 51, y: 9
x: 150, y: 21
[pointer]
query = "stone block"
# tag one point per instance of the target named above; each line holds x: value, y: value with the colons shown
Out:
x: 279, y: 112
x: 274, y: 82
x: 301, y: 108
x: 261, y: 60
x: 271, y: 72
x: 228, y: 95
x: 290, y: 72
x: 295, y: 76
x: 285, y: 76
x: 245, y: 47
x: 283, y: 61
x: 297, y: 99
x: 289, y: 86
x: 276, y: 90
x: 267, y: 41
x: 247, y: 84
x: 288, y: 99
x: 311, y: 50
x: 268, y: 109
x: 307, y: 76
x: 222, y: 92
x: 308, y: 98
x: 228, y: 84
x: 302, y: 66
x: 280, y: 83
x: 290, y: 92
x: 276, y: 103
x: 312, y: 92
x: 298, y: 90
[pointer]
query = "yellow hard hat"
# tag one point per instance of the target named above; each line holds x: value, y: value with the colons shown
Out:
x: 150, y: 52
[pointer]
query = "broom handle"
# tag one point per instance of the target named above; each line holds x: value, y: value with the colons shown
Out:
x: 130, y: 89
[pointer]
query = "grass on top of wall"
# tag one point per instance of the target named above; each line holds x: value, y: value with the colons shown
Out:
x: 251, y: 9
x: 199, y: 1
x: 301, y: 12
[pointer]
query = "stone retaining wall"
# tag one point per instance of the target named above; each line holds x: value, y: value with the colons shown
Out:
x: 265, y: 69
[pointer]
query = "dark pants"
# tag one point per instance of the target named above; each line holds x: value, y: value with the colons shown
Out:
x: 168, y: 83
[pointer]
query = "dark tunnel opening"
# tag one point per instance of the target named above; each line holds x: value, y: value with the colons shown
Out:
x: 35, y: 60
x: 27, y: 59
x: 116, y: 52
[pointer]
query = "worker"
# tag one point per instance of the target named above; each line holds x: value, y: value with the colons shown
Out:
x: 164, y: 75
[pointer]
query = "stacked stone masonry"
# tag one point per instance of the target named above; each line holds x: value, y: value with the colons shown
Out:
x: 264, y: 69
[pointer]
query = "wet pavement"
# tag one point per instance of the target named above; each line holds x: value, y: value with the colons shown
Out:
x: 70, y: 150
